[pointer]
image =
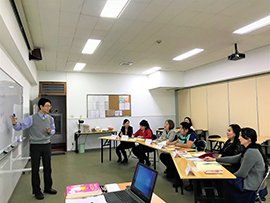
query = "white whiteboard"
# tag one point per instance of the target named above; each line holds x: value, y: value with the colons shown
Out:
x: 11, y: 101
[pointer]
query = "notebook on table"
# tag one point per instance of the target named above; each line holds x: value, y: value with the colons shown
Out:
x: 141, y: 189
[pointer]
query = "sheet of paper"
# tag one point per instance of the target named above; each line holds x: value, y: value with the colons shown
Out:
x: 148, y: 141
x: 159, y: 146
x: 121, y: 106
x: 127, y: 106
x: 112, y: 187
x: 188, y: 168
x: 124, y: 137
x: 96, y: 199
x: 114, y: 136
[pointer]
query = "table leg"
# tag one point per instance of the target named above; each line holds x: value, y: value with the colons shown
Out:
x: 211, y: 146
x: 110, y: 152
x: 155, y: 161
x: 101, y: 150
x: 76, y: 137
x: 195, y: 186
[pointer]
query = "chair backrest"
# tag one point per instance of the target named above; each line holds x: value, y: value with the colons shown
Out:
x: 214, y: 136
x: 263, y: 181
x: 154, y: 137
x: 200, y: 145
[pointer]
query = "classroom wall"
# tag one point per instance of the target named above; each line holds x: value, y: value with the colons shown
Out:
x: 8, y: 181
x: 165, y: 79
x: 153, y: 105
x: 242, y: 101
x: 14, y: 61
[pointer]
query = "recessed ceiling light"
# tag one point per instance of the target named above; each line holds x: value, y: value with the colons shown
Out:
x: 253, y: 26
x: 79, y: 66
x: 151, y: 70
x: 11, y: 86
x: 90, y: 46
x: 188, y: 54
x: 113, y: 8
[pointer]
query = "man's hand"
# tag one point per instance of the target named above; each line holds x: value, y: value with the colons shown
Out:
x: 48, y: 130
x: 13, y: 119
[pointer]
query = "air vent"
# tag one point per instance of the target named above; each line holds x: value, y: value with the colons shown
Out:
x: 52, y: 88
x: 126, y: 63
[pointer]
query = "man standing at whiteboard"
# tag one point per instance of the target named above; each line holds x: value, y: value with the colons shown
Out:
x: 41, y: 128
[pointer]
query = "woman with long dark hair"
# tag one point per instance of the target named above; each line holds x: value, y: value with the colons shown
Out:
x: 121, y: 148
x: 139, y: 151
x: 188, y: 120
x: 252, y: 169
x: 232, y: 146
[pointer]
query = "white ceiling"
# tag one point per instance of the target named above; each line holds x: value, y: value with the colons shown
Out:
x: 62, y: 27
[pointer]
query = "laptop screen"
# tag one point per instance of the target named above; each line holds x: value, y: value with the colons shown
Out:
x: 143, y: 182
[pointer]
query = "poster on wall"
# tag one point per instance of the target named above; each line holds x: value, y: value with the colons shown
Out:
x: 124, y: 103
x: 97, y: 106
x: 102, y: 106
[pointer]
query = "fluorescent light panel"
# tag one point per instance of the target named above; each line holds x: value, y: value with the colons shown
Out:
x: 254, y: 26
x: 90, y: 46
x: 188, y: 54
x: 151, y: 70
x: 79, y: 66
x: 113, y: 8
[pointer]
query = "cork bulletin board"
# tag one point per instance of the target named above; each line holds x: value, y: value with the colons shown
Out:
x: 102, y: 106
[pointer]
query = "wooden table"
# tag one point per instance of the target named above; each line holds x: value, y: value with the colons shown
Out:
x: 78, y: 134
x: 197, y: 176
x: 122, y: 186
x: 106, y: 141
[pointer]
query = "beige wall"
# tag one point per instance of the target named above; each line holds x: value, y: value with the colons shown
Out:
x: 213, y: 107
x: 183, y: 98
x: 198, y: 110
x: 263, y: 95
x: 218, y: 108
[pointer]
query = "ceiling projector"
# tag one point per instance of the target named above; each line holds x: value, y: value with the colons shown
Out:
x: 236, y: 56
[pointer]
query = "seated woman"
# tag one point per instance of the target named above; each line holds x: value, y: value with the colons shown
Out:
x: 186, y: 140
x: 253, y: 166
x: 139, y: 151
x: 232, y: 146
x: 168, y: 132
x: 125, y: 130
x: 188, y: 120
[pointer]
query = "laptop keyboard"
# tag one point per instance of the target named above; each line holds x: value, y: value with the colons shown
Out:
x: 122, y: 195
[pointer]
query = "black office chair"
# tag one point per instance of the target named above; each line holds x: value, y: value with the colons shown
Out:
x: 266, y: 146
x: 200, y: 145
x: 258, y: 197
x: 217, y: 145
x: 201, y: 134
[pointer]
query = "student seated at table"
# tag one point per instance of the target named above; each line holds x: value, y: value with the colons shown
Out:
x: 168, y: 133
x: 232, y: 146
x: 125, y: 130
x: 253, y: 166
x: 186, y: 139
x: 188, y: 120
x: 139, y: 151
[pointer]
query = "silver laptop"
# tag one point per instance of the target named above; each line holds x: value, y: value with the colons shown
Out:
x: 141, y: 189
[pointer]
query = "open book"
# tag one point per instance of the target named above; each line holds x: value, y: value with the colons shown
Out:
x: 208, y: 167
